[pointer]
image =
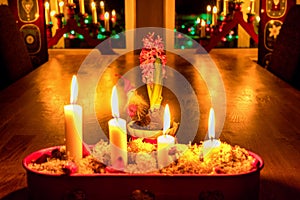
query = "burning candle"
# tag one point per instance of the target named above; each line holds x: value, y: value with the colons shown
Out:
x: 106, y: 21
x: 214, y: 16
x: 73, y: 124
x: 47, y: 12
x: 251, y: 6
x: 164, y: 140
x: 212, y: 142
x: 81, y: 6
x: 203, y: 24
x: 70, y: 1
x: 94, y: 13
x: 102, y: 8
x: 208, y: 9
x: 218, y: 5
x: 61, y: 7
x: 117, y: 135
x: 113, y: 17
x: 225, y: 6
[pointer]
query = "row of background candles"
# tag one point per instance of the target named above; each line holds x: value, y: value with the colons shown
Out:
x: 118, y: 133
x: 103, y: 15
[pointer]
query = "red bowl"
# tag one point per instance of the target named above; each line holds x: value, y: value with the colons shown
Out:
x: 137, y: 186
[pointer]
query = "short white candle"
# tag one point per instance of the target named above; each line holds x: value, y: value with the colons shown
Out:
x: 164, y: 141
x: 117, y: 135
x: 47, y: 12
x: 81, y: 6
x: 73, y: 124
x: 106, y: 21
x: 94, y: 13
x: 212, y: 142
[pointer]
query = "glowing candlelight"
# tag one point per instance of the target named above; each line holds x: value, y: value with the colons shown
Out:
x: 208, y: 9
x: 164, y: 141
x: 73, y: 123
x: 212, y: 142
x: 70, y: 1
x: 94, y: 13
x: 47, y: 12
x: 214, y: 16
x: 117, y: 135
x: 61, y: 7
x: 106, y: 21
x: 113, y: 17
x: 225, y: 7
x: 81, y: 6
x: 251, y: 6
x: 203, y: 24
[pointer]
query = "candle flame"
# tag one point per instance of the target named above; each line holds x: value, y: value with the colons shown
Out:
x: 61, y: 4
x: 93, y: 4
x: 211, y: 124
x: 215, y: 10
x: 47, y: 5
x: 106, y: 15
x: 74, y: 90
x: 115, y: 103
x: 101, y: 4
x: 113, y: 13
x: 203, y: 22
x: 167, y: 119
x: 208, y: 8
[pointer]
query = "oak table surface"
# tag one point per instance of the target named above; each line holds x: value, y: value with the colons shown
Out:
x: 262, y: 113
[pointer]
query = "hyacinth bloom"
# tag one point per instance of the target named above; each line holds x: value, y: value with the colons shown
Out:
x: 152, y: 62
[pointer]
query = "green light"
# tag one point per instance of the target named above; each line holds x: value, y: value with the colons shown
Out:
x: 80, y: 37
x: 175, y: 30
x: 193, y: 32
x: 182, y: 47
x: 221, y: 18
x: 230, y: 36
x: 86, y: 21
x: 189, y: 43
x: 116, y: 36
x: 182, y: 26
x: 102, y: 30
x: 72, y: 32
x: 192, y: 28
x: 236, y: 37
x: 100, y: 36
x: 65, y: 35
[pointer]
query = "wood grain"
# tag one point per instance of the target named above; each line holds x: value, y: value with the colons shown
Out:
x: 262, y: 114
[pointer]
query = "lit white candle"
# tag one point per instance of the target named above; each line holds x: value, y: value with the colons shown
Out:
x: 73, y: 124
x: 102, y: 8
x: 214, y: 16
x: 225, y: 7
x: 94, y: 13
x: 81, y: 6
x: 70, y: 1
x: 117, y: 135
x: 208, y: 13
x: 61, y: 7
x: 203, y: 24
x: 164, y: 141
x: 251, y: 6
x: 113, y: 17
x: 106, y: 21
x: 218, y: 5
x: 47, y: 12
x: 212, y: 142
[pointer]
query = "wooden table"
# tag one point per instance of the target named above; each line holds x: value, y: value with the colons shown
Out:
x: 262, y: 114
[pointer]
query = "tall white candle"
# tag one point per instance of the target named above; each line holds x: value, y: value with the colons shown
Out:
x: 214, y: 16
x: 113, y: 17
x: 73, y: 124
x: 225, y: 7
x: 47, y: 12
x: 117, y: 135
x: 81, y: 6
x: 61, y: 7
x: 94, y: 13
x: 102, y: 8
x: 203, y: 24
x: 251, y: 6
x: 164, y: 141
x: 106, y: 21
x: 208, y: 13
